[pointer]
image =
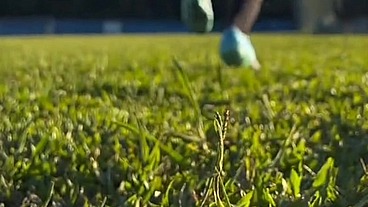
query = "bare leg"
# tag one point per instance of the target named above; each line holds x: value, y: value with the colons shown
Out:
x: 248, y: 15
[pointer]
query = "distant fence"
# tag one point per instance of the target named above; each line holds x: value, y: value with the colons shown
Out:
x: 32, y: 26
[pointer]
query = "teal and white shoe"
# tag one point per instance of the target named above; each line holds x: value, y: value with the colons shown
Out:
x: 237, y: 50
x: 197, y: 15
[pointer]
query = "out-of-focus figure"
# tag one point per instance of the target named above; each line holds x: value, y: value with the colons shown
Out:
x: 236, y: 48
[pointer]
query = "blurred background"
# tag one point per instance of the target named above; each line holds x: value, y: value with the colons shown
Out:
x: 134, y: 16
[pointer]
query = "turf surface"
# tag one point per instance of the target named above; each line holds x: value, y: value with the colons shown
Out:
x: 130, y: 121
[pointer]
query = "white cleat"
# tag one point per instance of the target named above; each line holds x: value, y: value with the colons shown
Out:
x: 237, y: 50
x: 197, y: 15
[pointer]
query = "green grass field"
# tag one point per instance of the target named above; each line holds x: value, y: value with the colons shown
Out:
x: 130, y: 121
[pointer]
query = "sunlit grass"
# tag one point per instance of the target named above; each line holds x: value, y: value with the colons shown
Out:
x: 130, y: 121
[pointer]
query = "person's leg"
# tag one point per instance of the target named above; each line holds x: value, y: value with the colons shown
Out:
x: 236, y: 47
x: 248, y: 15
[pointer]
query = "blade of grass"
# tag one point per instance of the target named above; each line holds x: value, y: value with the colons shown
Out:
x: 286, y: 142
x: 181, y: 75
x: 165, y: 199
x: 227, y: 199
x: 172, y: 153
x: 104, y: 202
x: 51, y: 193
x: 144, y: 148
x: 245, y: 201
